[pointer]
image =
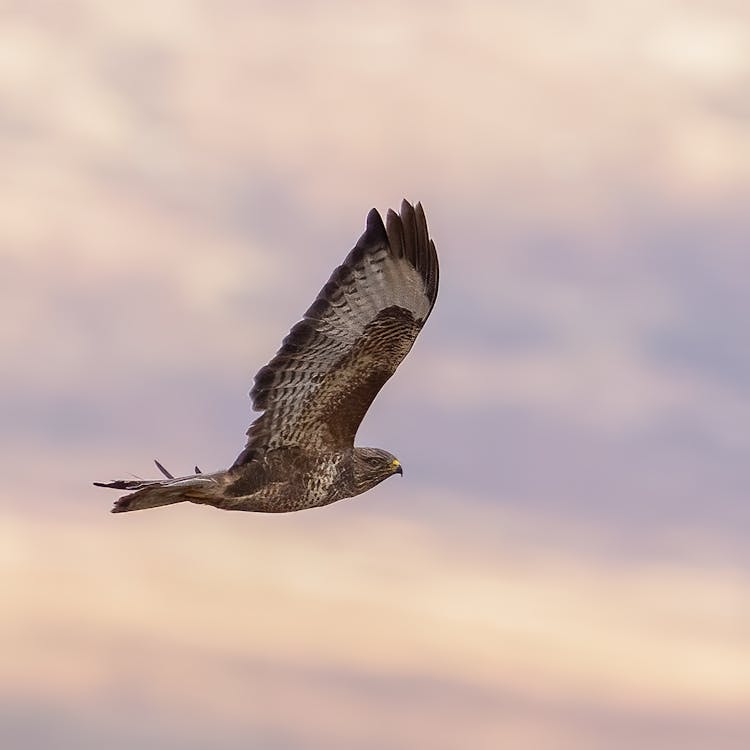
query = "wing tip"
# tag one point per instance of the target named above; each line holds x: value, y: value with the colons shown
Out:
x: 395, y: 233
x: 375, y: 232
x: 409, y: 237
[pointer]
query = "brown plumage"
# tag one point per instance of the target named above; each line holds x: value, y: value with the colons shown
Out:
x: 315, y: 392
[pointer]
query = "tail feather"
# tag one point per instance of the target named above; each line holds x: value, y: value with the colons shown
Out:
x: 157, y: 492
x: 167, y: 474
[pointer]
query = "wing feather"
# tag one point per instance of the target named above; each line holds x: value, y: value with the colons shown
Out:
x: 316, y: 390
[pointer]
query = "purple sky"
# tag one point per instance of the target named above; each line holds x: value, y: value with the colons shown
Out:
x: 565, y: 563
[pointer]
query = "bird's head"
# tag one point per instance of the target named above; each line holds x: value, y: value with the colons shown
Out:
x: 372, y: 466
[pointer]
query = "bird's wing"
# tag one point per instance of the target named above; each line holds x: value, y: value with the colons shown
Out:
x: 314, y: 393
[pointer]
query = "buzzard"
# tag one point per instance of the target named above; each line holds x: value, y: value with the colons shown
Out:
x: 315, y: 392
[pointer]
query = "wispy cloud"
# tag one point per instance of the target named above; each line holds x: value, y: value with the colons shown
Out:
x: 255, y: 607
x: 180, y: 179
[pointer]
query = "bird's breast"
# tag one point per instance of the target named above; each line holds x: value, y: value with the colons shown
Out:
x: 328, y: 479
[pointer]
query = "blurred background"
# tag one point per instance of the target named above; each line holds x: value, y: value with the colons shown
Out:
x: 565, y: 564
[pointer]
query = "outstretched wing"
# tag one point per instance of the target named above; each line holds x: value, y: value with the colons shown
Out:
x: 314, y: 393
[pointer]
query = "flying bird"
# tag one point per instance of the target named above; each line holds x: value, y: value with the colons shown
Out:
x: 315, y: 392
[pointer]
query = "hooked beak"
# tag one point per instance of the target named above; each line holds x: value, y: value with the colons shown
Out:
x: 399, y: 470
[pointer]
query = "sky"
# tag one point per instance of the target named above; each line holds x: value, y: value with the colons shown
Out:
x: 564, y: 564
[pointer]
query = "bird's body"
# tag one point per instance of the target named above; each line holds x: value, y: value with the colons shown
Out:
x: 288, y: 479
x: 315, y: 392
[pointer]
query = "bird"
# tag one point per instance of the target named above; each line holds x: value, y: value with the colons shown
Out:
x: 314, y: 393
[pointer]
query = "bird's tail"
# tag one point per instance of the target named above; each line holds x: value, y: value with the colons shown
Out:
x: 154, y: 493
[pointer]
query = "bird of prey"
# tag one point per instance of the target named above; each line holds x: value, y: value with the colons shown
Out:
x: 314, y: 393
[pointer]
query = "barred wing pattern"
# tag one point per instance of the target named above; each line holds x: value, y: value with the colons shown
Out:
x: 316, y: 390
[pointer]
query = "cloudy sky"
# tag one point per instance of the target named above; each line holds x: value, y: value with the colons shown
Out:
x: 565, y: 564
